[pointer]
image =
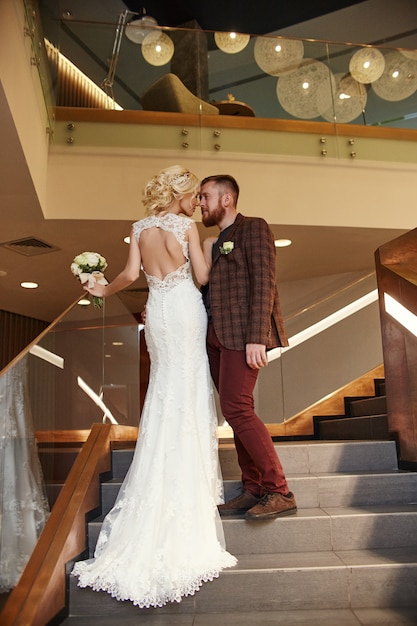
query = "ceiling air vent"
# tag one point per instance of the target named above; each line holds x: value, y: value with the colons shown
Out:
x: 29, y: 246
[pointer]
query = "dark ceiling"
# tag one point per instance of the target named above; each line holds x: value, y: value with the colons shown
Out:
x: 245, y: 16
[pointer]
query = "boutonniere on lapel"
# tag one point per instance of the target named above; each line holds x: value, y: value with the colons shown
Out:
x: 227, y: 247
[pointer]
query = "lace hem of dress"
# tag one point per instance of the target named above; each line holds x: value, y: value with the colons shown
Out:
x: 187, y: 585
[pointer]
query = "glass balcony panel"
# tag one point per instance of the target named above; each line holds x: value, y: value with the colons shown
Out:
x: 265, y: 76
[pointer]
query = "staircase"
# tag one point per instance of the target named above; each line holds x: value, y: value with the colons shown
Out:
x: 349, y: 556
x: 365, y: 418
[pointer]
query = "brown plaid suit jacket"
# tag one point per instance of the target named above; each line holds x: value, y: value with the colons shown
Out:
x: 243, y: 291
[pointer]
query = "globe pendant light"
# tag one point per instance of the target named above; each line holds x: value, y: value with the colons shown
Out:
x: 157, y: 48
x: 306, y: 92
x: 399, y: 79
x: 136, y: 30
x: 349, y: 100
x: 231, y: 43
x: 275, y: 55
x: 367, y: 65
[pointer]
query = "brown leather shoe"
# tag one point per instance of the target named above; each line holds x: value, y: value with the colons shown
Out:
x: 273, y: 505
x: 239, y: 504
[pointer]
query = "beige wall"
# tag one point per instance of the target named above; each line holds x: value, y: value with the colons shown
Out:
x: 22, y: 106
x: 103, y: 183
x: 320, y: 366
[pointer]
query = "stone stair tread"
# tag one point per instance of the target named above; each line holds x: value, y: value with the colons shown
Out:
x: 335, y: 559
x: 312, y: 617
x: 315, y: 530
x: 343, y: 474
x: 380, y: 556
x: 339, y: 511
x: 324, y: 489
x: 364, y: 472
x: 305, y: 456
x: 327, y: 580
x: 371, y: 509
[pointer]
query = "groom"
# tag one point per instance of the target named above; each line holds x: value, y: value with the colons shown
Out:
x: 244, y: 321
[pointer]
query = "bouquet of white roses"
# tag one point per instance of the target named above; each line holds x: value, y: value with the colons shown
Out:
x: 88, y: 267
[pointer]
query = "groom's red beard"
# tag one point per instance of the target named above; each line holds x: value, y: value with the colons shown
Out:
x: 213, y: 218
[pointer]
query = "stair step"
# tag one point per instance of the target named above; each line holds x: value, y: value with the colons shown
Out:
x: 324, y: 617
x: 320, y: 474
x: 369, y: 427
x: 301, y: 458
x: 323, y: 490
x: 375, y: 405
x: 349, y: 579
x: 379, y: 386
x: 315, y: 530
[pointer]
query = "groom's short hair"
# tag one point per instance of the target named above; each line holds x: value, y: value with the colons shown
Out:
x: 226, y: 182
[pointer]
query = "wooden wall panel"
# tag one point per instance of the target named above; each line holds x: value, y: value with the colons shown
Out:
x: 16, y: 332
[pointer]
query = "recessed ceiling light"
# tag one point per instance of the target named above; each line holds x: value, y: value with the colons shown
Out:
x: 117, y: 343
x: 126, y: 239
x: 84, y: 302
x: 29, y: 285
x: 282, y: 243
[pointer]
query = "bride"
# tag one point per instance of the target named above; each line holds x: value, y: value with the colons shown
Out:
x: 164, y: 538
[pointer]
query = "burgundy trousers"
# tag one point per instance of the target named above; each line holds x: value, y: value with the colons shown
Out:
x: 235, y: 381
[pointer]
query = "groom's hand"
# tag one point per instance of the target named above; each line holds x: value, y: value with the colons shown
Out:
x: 256, y: 355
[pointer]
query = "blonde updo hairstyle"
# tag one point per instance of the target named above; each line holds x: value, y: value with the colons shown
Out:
x: 168, y: 185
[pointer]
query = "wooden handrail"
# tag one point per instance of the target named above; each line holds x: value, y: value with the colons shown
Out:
x: 40, y: 593
x: 62, y: 436
x: 38, y: 338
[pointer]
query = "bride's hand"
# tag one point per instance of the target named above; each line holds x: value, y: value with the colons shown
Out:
x: 97, y: 290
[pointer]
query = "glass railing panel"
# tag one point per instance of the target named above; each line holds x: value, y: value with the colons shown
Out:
x: 85, y: 342
x: 334, y: 336
x: 266, y: 76
x: 39, y: 58
x: 116, y: 65
x: 376, y: 84
x: 285, y: 78
x: 85, y: 368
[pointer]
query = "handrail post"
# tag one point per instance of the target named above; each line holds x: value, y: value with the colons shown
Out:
x: 396, y: 271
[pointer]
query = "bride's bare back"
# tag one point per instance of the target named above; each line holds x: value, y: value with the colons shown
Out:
x: 160, y: 251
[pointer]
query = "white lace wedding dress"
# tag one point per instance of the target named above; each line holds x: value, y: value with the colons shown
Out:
x: 164, y: 537
x: 24, y: 507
